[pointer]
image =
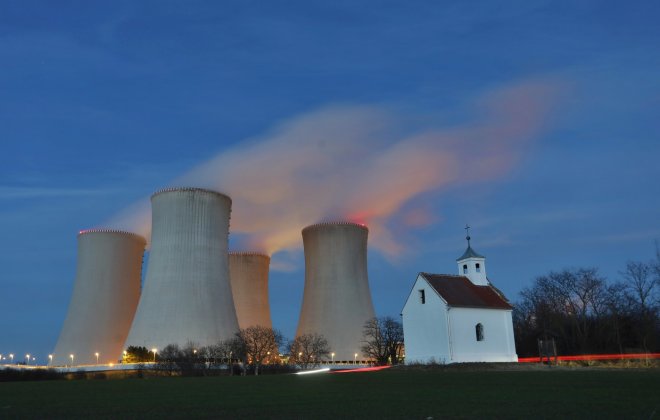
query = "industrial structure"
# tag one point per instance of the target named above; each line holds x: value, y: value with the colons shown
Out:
x: 336, y: 300
x: 105, y: 296
x: 248, y: 272
x: 187, y: 295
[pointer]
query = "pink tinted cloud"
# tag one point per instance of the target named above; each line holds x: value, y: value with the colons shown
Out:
x: 343, y: 162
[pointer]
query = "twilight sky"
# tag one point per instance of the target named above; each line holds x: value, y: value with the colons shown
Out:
x: 535, y: 122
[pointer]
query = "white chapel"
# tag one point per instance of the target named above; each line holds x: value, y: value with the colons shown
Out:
x: 458, y: 318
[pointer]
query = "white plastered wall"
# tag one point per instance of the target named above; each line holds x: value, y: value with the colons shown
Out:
x: 425, y: 326
x: 498, y: 344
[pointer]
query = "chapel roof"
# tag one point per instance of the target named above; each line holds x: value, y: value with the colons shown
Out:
x: 469, y: 253
x: 459, y: 291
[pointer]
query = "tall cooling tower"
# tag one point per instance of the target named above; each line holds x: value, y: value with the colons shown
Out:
x: 336, y: 300
x: 186, y: 295
x: 105, y: 295
x: 249, y: 284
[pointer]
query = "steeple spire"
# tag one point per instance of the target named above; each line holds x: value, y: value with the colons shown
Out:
x: 469, y: 252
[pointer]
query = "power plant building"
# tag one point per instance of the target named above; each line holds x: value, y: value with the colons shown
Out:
x: 187, y: 295
x: 336, y: 299
x: 248, y: 272
x: 105, y: 296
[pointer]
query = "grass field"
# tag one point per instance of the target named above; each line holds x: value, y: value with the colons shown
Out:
x: 393, y: 393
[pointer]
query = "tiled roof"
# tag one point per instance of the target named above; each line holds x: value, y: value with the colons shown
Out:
x: 459, y: 291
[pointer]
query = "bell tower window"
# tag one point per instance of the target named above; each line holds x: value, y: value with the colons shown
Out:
x: 478, y: 268
x: 465, y: 269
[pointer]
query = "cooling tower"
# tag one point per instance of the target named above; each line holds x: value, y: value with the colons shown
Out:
x: 105, y: 295
x: 336, y: 300
x: 249, y: 285
x: 186, y: 295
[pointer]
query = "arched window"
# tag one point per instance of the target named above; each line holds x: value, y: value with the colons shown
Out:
x: 478, y: 267
x: 479, y: 329
x: 464, y: 268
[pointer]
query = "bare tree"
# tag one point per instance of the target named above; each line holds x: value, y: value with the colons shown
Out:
x: 582, y: 290
x: 577, y: 294
x: 307, y: 350
x: 188, y: 360
x: 616, y: 310
x: 168, y: 359
x: 217, y: 355
x: 642, y: 286
x: 260, y: 343
x: 393, y: 331
x: 229, y: 351
x: 566, y: 305
x: 642, y: 283
x: 374, y: 342
x: 383, y: 340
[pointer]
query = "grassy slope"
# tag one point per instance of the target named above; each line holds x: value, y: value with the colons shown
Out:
x: 386, y: 394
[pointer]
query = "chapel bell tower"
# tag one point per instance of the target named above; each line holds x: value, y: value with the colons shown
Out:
x: 472, y: 265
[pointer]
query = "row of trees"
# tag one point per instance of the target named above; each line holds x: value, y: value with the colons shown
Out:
x: 252, y: 348
x: 584, y: 313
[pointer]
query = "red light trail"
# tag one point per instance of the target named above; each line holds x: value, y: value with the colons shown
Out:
x: 367, y: 369
x: 584, y: 357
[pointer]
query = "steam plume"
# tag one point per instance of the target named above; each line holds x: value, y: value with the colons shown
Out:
x: 360, y: 163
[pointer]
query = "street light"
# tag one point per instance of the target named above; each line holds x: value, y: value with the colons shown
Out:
x: 97, y: 357
x: 71, y: 356
x: 28, y: 358
x: 155, y: 350
x: 11, y: 356
x: 355, y: 359
x: 333, y: 357
x: 50, y: 359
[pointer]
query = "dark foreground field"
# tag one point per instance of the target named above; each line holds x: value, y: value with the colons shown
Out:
x: 394, y: 393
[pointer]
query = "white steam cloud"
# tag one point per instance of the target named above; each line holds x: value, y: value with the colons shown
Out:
x: 359, y: 163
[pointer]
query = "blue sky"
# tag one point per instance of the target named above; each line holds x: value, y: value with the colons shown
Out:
x: 103, y: 103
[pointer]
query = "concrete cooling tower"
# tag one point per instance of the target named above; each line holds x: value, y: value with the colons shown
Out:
x: 249, y: 284
x: 186, y: 295
x: 336, y: 300
x: 105, y: 296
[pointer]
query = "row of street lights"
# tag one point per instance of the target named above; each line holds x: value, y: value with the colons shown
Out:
x: 29, y: 358
x: 333, y: 357
x: 154, y: 351
x: 11, y: 358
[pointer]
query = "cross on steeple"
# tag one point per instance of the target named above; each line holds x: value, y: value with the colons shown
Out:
x: 467, y: 233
